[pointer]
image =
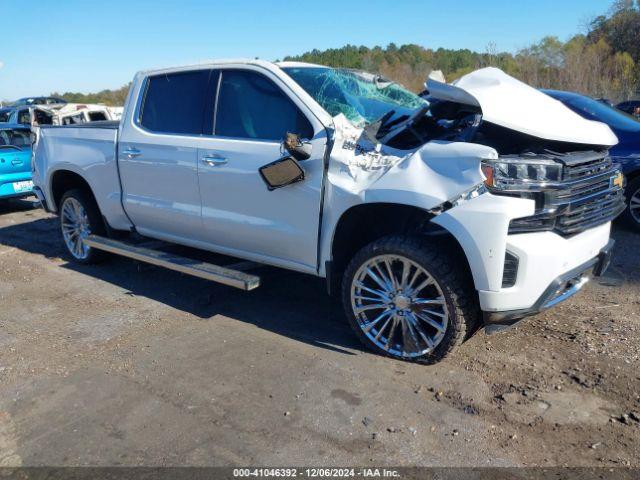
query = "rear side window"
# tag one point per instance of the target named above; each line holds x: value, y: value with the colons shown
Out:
x: 252, y: 106
x: 97, y: 116
x: 42, y: 118
x: 175, y: 103
x: 73, y: 119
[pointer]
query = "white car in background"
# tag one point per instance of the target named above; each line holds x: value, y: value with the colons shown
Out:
x: 58, y: 114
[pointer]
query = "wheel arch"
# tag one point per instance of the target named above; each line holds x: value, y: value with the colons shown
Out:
x: 63, y: 180
x: 364, y: 223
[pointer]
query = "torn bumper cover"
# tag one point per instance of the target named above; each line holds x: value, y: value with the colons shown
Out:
x: 562, y: 288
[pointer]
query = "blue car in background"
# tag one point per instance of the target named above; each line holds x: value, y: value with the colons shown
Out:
x: 626, y: 153
x: 15, y: 161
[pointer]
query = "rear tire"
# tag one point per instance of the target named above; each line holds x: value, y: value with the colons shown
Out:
x: 410, y: 299
x: 632, y: 196
x: 80, y: 217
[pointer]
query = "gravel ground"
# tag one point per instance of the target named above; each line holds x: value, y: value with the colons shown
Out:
x: 128, y: 364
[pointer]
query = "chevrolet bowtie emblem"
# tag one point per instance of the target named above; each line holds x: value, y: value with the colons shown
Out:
x: 617, y: 180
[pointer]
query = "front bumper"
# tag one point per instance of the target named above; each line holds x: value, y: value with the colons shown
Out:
x: 562, y: 288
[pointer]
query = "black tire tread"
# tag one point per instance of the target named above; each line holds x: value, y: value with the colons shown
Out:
x: 454, y: 280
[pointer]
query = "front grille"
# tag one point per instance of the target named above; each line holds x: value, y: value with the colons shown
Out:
x: 597, y: 211
x: 583, y: 166
x: 510, y: 271
x: 585, y: 199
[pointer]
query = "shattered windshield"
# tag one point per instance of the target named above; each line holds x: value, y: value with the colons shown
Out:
x: 361, y: 97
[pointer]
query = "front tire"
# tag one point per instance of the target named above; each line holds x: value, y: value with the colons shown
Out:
x: 632, y: 213
x: 79, y: 218
x: 409, y: 299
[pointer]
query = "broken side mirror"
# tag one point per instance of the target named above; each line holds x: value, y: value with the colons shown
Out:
x: 281, y: 173
x: 296, y: 147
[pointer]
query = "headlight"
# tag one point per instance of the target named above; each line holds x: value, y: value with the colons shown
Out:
x: 520, y: 174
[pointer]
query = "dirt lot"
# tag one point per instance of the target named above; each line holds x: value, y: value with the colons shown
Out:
x: 127, y: 364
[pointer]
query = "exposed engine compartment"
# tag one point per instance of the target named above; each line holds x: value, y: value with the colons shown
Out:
x: 455, y: 122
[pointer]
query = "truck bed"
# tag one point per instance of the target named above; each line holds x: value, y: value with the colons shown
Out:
x: 87, y: 150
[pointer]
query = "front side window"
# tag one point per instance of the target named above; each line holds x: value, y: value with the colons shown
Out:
x: 175, y: 103
x: 251, y: 106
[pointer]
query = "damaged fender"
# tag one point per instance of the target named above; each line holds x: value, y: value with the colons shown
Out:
x: 481, y: 227
x: 362, y: 171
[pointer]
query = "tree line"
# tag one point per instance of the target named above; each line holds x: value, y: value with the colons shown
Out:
x: 604, y: 62
x: 112, y: 98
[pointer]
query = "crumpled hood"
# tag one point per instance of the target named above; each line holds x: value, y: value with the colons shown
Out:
x: 513, y: 104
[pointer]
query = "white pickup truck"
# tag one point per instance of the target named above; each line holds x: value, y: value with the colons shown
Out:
x: 485, y: 205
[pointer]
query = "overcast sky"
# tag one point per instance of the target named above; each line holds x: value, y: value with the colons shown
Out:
x: 75, y: 45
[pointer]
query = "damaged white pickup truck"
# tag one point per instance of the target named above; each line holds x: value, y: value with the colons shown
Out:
x: 486, y: 205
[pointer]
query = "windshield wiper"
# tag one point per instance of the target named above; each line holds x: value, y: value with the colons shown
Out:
x: 11, y: 146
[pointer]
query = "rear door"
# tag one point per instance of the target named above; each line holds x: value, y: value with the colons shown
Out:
x: 158, y: 154
x: 254, y: 109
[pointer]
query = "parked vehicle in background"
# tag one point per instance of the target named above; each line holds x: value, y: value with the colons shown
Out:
x: 5, y: 114
x: 632, y: 107
x: 116, y: 112
x: 27, y: 115
x: 72, y: 114
x: 38, y: 101
x: 15, y: 161
x: 494, y: 198
x: 606, y: 101
x: 60, y: 114
x: 626, y: 152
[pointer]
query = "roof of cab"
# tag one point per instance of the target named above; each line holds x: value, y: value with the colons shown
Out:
x: 232, y: 61
x: 299, y: 65
x: 211, y: 64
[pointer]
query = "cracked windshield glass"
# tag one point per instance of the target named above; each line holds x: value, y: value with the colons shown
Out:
x: 360, y: 96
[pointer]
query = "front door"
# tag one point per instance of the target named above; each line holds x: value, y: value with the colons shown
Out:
x: 239, y: 214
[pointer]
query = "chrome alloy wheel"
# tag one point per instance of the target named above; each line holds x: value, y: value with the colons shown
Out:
x: 75, y: 228
x: 399, y: 306
x: 634, y: 205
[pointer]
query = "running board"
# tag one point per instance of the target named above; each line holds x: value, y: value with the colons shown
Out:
x: 208, y: 271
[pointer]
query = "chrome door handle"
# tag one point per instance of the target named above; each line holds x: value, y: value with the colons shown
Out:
x: 132, y: 152
x: 214, y: 160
